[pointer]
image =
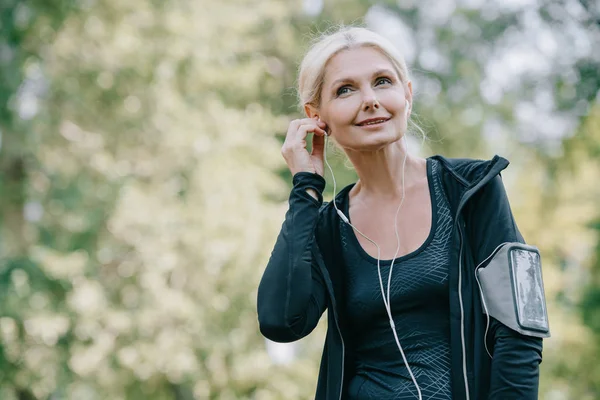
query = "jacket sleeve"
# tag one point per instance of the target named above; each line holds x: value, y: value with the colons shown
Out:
x: 516, y: 357
x: 292, y: 293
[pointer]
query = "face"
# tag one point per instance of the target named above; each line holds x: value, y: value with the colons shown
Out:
x: 363, y: 101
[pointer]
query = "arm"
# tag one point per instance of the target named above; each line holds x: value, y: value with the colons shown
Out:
x: 515, y: 366
x: 292, y: 295
x: 516, y: 357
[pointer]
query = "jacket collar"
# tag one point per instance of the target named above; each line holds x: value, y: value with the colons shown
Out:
x: 471, y: 172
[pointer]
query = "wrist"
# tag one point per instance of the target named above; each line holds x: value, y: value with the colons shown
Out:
x: 313, y: 193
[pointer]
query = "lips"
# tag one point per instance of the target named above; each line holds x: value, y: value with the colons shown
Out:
x: 373, y: 121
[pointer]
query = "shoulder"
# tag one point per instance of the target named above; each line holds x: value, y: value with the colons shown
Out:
x: 489, y: 213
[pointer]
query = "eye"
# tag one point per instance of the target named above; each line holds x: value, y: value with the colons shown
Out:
x: 342, y: 90
x: 382, y: 80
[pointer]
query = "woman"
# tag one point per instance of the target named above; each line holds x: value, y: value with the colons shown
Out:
x: 413, y: 261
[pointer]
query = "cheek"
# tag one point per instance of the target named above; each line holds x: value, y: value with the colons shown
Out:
x: 393, y: 101
x: 344, y: 111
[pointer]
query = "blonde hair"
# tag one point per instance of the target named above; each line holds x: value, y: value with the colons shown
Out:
x: 312, y: 68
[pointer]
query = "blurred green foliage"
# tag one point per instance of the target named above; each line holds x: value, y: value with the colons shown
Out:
x: 142, y: 187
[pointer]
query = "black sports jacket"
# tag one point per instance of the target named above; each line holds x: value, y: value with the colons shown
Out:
x: 304, y: 277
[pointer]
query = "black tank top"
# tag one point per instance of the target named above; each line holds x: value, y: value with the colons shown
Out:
x: 420, y: 308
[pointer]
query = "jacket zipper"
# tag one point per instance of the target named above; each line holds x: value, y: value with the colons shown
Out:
x: 462, y: 316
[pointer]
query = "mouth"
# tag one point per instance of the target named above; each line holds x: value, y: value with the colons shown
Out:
x: 373, y: 122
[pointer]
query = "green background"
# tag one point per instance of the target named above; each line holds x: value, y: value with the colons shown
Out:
x: 142, y: 185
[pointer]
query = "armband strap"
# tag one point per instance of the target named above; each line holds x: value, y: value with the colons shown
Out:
x: 512, y: 289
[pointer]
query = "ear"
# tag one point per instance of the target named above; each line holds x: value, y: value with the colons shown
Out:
x: 311, y: 111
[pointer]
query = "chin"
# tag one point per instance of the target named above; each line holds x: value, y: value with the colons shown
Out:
x: 374, y: 141
x: 378, y: 140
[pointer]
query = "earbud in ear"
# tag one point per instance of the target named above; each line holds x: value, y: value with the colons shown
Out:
x: 406, y: 108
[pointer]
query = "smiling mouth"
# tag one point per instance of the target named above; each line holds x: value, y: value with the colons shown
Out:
x: 372, y: 122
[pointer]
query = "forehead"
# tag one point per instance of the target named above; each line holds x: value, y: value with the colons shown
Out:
x: 356, y: 63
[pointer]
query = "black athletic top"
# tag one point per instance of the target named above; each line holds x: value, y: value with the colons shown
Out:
x: 420, y: 307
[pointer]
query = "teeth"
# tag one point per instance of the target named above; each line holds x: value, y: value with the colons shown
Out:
x: 375, y: 122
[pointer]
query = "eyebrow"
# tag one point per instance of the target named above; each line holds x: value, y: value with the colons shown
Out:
x: 383, y: 71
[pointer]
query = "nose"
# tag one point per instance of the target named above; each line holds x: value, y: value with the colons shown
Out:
x: 370, y: 101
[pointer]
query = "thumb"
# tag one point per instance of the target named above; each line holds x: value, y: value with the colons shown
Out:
x: 318, y: 145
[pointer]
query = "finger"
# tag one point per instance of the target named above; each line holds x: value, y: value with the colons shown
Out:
x: 295, y: 142
x: 292, y: 129
x: 319, y: 123
x: 305, y: 121
x: 322, y: 125
x: 314, y: 120
x: 304, y: 129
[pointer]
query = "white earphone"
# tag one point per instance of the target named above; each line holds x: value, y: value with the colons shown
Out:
x: 386, y: 297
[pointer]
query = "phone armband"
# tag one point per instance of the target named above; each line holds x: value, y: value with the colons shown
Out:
x: 512, y: 289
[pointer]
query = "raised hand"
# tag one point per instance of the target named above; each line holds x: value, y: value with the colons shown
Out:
x: 294, y: 149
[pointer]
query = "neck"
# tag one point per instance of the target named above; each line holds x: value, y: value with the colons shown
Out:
x: 381, y: 172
